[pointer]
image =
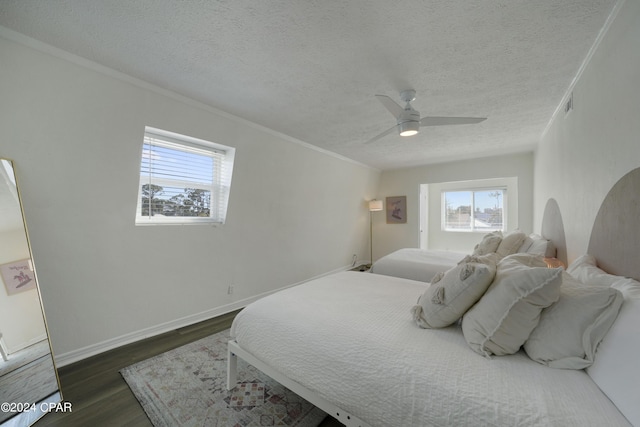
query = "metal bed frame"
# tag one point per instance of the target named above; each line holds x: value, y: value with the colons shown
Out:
x: 234, y: 351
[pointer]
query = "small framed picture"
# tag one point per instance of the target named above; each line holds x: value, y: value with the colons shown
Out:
x: 397, y: 210
x: 18, y: 276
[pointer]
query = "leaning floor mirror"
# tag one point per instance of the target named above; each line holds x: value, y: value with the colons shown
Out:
x: 29, y: 384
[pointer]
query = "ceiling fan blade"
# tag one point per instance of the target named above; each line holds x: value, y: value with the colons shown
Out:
x: 445, y: 121
x: 383, y: 134
x: 390, y: 105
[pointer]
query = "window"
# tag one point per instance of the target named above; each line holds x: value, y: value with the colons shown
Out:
x: 473, y: 210
x: 183, y: 180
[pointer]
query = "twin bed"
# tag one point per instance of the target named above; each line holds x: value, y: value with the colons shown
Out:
x: 416, y: 264
x: 349, y: 344
x: 422, y: 265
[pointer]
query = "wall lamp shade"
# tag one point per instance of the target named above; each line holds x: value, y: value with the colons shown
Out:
x: 375, y: 205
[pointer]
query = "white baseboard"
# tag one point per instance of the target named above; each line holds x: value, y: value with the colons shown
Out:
x: 73, y: 356
x: 26, y: 344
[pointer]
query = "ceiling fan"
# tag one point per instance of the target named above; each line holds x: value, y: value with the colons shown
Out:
x: 408, y: 121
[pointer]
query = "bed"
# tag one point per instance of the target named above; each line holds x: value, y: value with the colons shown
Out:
x: 423, y: 265
x: 350, y: 344
x: 416, y: 264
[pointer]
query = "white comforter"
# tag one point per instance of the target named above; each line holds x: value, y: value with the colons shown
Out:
x: 350, y: 338
x: 416, y: 264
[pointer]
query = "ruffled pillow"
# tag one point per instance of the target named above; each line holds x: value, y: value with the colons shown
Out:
x: 452, y: 293
x: 510, y: 243
x: 503, y: 319
x: 570, y: 330
x: 488, y: 244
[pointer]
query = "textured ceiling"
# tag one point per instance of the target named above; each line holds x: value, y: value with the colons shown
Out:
x: 310, y: 69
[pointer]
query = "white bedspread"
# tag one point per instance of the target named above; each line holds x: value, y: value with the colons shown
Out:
x: 350, y: 338
x: 416, y: 264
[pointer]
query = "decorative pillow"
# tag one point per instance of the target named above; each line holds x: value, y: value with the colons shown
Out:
x: 541, y: 246
x: 491, y: 258
x: 630, y: 288
x: 510, y: 309
x: 579, y: 262
x: 488, y: 244
x: 570, y: 330
x: 585, y: 269
x: 528, y: 241
x: 510, y: 243
x: 615, y: 369
x: 451, y: 294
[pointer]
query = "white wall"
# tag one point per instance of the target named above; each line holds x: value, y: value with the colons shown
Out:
x: 390, y: 237
x: 75, y: 132
x: 583, y: 154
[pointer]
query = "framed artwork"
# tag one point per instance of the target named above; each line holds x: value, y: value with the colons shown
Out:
x: 397, y: 210
x: 17, y: 276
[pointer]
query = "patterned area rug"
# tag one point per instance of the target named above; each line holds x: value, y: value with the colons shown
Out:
x: 187, y: 387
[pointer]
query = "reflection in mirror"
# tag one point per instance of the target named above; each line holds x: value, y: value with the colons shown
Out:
x: 28, y: 379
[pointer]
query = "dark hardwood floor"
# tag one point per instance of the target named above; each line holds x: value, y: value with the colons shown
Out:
x: 99, y: 395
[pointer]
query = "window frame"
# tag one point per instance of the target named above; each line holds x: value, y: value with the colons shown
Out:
x: 473, y: 228
x: 222, y: 170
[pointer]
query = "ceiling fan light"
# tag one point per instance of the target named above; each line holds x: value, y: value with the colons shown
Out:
x: 409, y: 128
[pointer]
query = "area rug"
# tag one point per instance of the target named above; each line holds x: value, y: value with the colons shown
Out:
x: 186, y: 387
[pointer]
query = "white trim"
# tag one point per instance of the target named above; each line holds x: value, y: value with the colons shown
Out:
x: 3, y: 349
x: 437, y: 238
x: 73, y: 356
x: 472, y: 218
x: 29, y: 343
x: 424, y: 216
x: 568, y: 93
x: 234, y: 350
x: 110, y: 72
x: 216, y: 157
x: 178, y: 141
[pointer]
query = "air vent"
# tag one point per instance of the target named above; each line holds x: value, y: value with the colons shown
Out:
x: 569, y: 105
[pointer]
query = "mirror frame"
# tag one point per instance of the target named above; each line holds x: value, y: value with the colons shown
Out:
x: 28, y: 413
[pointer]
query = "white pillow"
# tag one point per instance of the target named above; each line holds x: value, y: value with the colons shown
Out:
x: 541, y: 246
x: 451, y: 294
x: 488, y: 244
x: 615, y: 369
x: 528, y: 241
x: 503, y: 319
x: 570, y: 330
x: 585, y: 269
x: 491, y: 258
x: 630, y: 288
x: 579, y: 262
x: 510, y: 243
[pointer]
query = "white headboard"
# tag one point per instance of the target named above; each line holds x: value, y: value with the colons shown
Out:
x: 615, y: 237
x: 553, y: 229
